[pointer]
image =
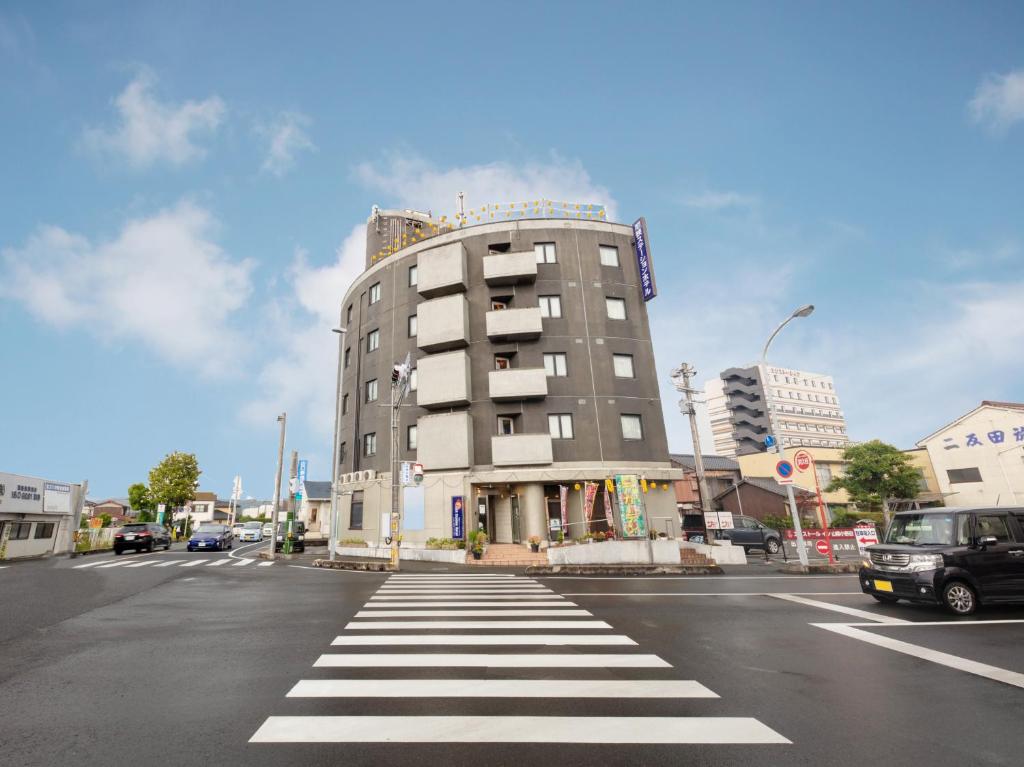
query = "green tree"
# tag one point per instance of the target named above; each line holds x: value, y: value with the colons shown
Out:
x: 139, y: 500
x: 174, y: 481
x: 875, y: 472
x: 107, y: 519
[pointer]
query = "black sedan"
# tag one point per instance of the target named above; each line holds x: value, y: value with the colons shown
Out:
x: 141, y: 536
x: 211, y: 538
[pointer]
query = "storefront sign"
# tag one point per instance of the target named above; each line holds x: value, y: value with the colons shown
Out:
x: 589, y: 494
x: 866, y: 535
x: 976, y: 439
x: 840, y: 540
x: 643, y: 260
x: 631, y: 512
x: 56, y: 498
x: 563, y: 501
x: 458, y: 528
x: 20, y: 495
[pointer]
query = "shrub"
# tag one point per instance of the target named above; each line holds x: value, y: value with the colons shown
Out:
x: 534, y: 540
x: 778, y: 522
x: 353, y: 542
x: 599, y: 536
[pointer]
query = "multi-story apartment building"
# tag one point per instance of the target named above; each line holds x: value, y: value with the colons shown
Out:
x: 533, y: 376
x: 805, y: 407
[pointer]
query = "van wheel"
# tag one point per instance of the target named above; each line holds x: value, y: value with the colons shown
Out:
x: 959, y: 598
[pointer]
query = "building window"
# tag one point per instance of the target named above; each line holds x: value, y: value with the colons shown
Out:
x: 355, y: 516
x: 348, y: 315
x: 502, y: 363
x: 20, y: 530
x: 609, y: 255
x: 370, y: 444
x: 412, y: 275
x: 373, y: 340
x: 374, y: 293
x: 632, y: 427
x: 348, y: 356
x: 44, y: 530
x: 371, y: 390
x: 956, y: 476
x: 342, y: 452
x: 616, y: 308
x: 550, y: 306
x: 344, y: 404
x: 413, y: 378
x: 410, y: 437
x: 623, y: 364
x: 412, y: 326
x: 545, y: 252
x: 506, y: 425
x: 554, y: 364
x: 824, y: 473
x: 560, y: 426
x: 497, y: 306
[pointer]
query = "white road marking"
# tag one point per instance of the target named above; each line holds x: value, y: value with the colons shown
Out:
x: 549, y: 604
x: 137, y: 564
x: 950, y: 622
x: 112, y: 564
x: 690, y: 577
x: 264, y: 564
x: 422, y: 625
x: 87, y: 564
x: 498, y: 688
x: 365, y: 640
x: 550, y: 613
x: 487, y: 660
x: 420, y: 576
x: 467, y: 590
x: 862, y: 614
x: 409, y: 597
x: 217, y: 562
x: 943, y: 659
x: 242, y: 563
x: 711, y: 593
x: 514, y: 729
x: 168, y: 564
x: 193, y: 563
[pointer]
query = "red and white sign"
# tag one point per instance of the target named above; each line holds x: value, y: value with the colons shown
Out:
x: 802, y: 460
x: 865, y: 535
x: 822, y: 547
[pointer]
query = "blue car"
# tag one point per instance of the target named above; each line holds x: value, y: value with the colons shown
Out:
x: 211, y: 538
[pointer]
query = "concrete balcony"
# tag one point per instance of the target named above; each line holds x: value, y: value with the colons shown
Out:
x: 520, y: 449
x: 517, y: 384
x: 510, y: 268
x: 514, y: 324
x: 443, y: 380
x: 443, y: 324
x: 441, y: 271
x: 445, y: 441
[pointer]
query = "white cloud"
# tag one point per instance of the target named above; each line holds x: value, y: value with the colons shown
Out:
x: 998, y: 102
x: 162, y: 281
x: 150, y: 131
x: 286, y: 136
x: 414, y: 183
x: 713, y: 201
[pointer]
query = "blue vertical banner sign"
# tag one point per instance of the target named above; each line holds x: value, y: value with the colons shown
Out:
x: 644, y: 262
x: 458, y: 517
x: 300, y: 481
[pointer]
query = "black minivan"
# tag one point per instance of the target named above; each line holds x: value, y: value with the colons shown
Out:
x: 957, y: 557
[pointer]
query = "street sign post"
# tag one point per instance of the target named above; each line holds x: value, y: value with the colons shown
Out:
x: 769, y: 442
x: 823, y: 548
x: 784, y: 473
x: 802, y: 460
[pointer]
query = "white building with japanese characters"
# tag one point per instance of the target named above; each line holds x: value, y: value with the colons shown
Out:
x: 979, y: 458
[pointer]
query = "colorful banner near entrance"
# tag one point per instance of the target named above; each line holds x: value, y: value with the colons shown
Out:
x: 563, y: 499
x: 589, y: 494
x: 627, y: 488
x: 458, y: 531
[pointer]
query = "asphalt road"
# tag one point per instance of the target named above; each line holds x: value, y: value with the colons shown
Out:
x: 187, y: 664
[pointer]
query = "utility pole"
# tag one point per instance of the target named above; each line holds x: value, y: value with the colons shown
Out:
x: 681, y: 377
x: 399, y: 388
x: 283, y: 420
x: 293, y: 497
x: 335, y: 460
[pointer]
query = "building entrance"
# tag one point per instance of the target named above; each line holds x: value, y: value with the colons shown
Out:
x: 485, y: 515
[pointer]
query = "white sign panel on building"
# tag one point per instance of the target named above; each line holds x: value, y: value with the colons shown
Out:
x: 20, y: 495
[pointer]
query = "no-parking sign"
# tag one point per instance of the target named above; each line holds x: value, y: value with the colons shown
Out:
x: 784, y: 473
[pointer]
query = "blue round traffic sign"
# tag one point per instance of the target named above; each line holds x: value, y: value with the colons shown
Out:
x: 784, y: 469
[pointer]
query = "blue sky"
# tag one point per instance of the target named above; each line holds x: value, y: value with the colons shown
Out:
x: 184, y: 187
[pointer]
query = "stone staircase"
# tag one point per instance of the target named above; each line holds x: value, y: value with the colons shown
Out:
x: 508, y: 555
x: 691, y: 558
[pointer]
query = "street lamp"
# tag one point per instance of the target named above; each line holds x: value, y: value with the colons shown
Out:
x: 801, y: 544
x: 337, y: 429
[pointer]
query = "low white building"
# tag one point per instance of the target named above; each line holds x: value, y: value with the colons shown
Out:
x: 979, y: 458
x: 37, y: 516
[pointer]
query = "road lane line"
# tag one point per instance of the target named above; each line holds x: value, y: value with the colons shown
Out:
x: 427, y: 597
x: 87, y: 564
x: 421, y: 625
x: 264, y: 564
x: 862, y: 614
x: 112, y: 564
x: 242, y: 563
x: 549, y: 604
x: 405, y: 640
x: 515, y: 729
x: 710, y: 593
x: 950, y: 622
x: 193, y: 563
x: 217, y: 563
x: 498, y: 688
x: 924, y: 653
x: 487, y: 660
x: 168, y: 564
x: 137, y: 564
x: 487, y: 590
x: 550, y: 613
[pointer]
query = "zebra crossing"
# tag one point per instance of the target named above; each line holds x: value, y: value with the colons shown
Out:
x: 128, y: 564
x: 469, y: 637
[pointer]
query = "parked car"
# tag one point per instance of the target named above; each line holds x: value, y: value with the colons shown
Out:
x: 211, y: 538
x: 251, y: 531
x: 297, y: 536
x: 268, y: 529
x: 752, y: 534
x: 141, y: 536
x: 957, y: 557
x: 236, y: 530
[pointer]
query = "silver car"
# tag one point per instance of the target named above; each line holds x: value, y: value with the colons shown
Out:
x: 251, y: 531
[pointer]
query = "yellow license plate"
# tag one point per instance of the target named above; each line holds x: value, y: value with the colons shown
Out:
x: 883, y: 586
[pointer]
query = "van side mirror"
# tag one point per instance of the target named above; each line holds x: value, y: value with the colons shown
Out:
x: 987, y: 540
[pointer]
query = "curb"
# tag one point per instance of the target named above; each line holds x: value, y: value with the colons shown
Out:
x: 341, y: 564
x: 624, y: 570
x: 795, y: 568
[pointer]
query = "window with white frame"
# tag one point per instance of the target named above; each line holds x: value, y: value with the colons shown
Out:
x: 344, y: 404
x: 410, y: 437
x: 506, y: 425
x: 560, y: 426
x: 412, y: 326
x: 609, y: 255
x: 413, y: 378
x: 550, y: 306
x: 623, y: 364
x: 545, y: 252
x: 371, y: 390
x: 412, y: 275
x: 373, y: 340
x: 616, y: 308
x: 375, y: 293
x: 370, y: 444
x: 555, y: 364
x: 632, y: 426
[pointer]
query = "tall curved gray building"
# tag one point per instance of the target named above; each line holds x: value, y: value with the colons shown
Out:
x: 533, y: 375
